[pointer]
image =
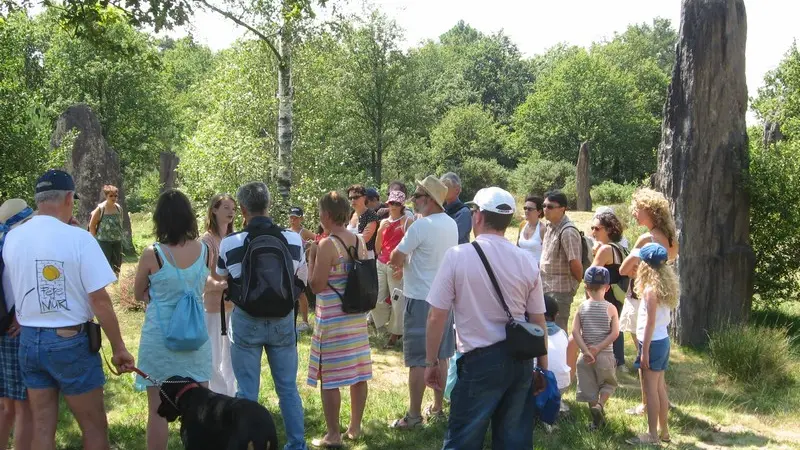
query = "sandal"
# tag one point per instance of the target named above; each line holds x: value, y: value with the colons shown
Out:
x: 598, y: 416
x: 407, y: 422
x: 433, y: 416
x: 643, y: 439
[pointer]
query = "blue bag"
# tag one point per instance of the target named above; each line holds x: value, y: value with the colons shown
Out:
x: 186, y: 330
x: 548, y: 402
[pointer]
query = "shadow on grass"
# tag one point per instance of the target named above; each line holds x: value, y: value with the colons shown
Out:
x: 708, y: 433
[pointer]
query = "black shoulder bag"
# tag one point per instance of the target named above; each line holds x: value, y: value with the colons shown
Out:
x: 525, y: 340
x: 361, y: 293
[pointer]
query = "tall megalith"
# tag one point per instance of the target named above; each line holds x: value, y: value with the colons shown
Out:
x: 583, y: 179
x: 703, y: 164
x: 92, y: 162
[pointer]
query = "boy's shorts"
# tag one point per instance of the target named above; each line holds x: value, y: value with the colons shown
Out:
x: 595, y: 379
x: 414, y: 324
x: 659, y: 355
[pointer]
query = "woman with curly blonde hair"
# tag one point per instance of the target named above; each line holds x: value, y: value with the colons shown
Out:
x: 651, y: 209
x: 657, y: 286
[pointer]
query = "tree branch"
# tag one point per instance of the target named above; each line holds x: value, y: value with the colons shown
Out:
x: 242, y: 23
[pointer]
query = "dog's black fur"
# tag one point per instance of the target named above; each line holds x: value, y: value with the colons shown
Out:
x: 211, y: 421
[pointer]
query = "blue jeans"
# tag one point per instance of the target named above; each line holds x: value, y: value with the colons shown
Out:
x: 492, y: 387
x: 277, y: 337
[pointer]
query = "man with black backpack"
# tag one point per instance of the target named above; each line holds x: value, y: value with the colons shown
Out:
x: 266, y: 270
x: 563, y: 255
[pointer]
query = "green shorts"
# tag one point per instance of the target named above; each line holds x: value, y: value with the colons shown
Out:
x: 113, y: 252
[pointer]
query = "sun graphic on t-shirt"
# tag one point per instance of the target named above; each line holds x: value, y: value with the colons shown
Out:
x: 50, y: 272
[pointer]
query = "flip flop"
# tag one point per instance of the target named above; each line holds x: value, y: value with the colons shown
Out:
x: 432, y: 415
x: 322, y: 443
x: 637, y: 411
x: 407, y: 423
x: 642, y: 440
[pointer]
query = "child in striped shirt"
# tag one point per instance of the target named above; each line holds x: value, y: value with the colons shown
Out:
x: 594, y: 329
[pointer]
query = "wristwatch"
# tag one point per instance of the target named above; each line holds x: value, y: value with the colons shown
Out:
x: 435, y: 363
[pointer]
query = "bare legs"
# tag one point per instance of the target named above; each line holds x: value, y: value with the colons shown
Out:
x: 331, y: 404
x: 16, y: 414
x: 657, y: 405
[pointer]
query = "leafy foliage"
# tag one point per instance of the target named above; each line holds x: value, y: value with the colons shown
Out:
x: 610, y: 193
x: 537, y: 176
x: 464, y: 132
x: 774, y: 184
x: 779, y: 99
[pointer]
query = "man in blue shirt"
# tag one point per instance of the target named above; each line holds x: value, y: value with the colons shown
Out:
x: 455, y: 208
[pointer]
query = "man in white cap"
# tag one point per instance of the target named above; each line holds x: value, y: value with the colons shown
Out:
x: 419, y: 255
x: 492, y: 385
x: 14, y: 410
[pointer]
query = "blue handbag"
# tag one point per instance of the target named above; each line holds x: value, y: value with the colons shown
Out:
x: 548, y: 402
x: 186, y: 330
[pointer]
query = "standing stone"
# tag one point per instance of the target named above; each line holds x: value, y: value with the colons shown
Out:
x: 583, y: 179
x: 703, y: 162
x: 166, y: 173
x: 772, y: 134
x: 93, y: 163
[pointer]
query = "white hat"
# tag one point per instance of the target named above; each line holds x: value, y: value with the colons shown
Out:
x: 494, y: 199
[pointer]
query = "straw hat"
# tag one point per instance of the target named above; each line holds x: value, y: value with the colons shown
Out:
x: 11, y: 208
x: 435, y: 188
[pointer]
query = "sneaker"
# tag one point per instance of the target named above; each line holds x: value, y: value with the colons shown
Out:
x: 303, y: 326
x: 564, y: 407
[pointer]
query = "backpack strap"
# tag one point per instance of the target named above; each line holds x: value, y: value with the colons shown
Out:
x: 157, y: 254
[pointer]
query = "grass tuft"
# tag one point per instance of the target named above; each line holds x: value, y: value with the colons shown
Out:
x: 753, y: 354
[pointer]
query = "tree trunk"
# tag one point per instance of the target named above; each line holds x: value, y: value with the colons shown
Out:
x: 166, y: 171
x: 583, y: 179
x: 285, y: 98
x: 703, y: 163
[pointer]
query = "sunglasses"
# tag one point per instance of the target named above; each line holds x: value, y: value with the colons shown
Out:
x: 395, y: 204
x: 552, y: 206
x: 528, y: 208
x: 597, y: 228
x: 419, y: 195
x: 355, y: 197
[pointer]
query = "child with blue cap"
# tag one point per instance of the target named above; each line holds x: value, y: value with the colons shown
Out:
x: 594, y: 329
x: 657, y: 286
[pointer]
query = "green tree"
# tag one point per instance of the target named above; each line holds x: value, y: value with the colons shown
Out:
x: 374, y: 83
x: 23, y: 122
x: 585, y: 98
x: 779, y: 99
x: 467, y: 132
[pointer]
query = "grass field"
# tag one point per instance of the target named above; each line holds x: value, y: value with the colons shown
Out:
x: 712, y: 412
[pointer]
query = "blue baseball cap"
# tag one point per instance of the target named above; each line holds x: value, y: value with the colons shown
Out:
x: 56, y: 180
x: 372, y: 193
x: 653, y: 254
x: 296, y: 211
x: 597, y: 275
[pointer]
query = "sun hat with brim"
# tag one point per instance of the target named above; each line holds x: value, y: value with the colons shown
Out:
x: 434, y: 188
x: 494, y: 199
x: 396, y: 197
x: 13, y: 212
x: 653, y: 254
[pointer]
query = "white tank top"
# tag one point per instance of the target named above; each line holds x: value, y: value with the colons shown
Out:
x: 534, y: 244
x: 662, y: 322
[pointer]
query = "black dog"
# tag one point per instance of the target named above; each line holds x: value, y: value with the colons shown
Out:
x: 211, y: 421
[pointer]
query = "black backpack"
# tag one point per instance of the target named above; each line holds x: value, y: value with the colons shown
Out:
x: 361, y: 293
x: 6, y: 317
x: 266, y: 287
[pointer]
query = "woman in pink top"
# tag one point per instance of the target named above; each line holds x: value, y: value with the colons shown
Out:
x: 388, y: 312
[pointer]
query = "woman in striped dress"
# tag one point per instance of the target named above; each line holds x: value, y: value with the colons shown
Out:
x: 340, y: 355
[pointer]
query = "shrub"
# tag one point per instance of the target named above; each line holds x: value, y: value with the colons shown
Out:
x: 476, y: 173
x: 570, y: 189
x: 538, y: 176
x: 753, y: 354
x: 774, y: 187
x: 610, y: 193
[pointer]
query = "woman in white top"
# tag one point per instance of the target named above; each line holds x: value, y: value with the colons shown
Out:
x: 531, y: 234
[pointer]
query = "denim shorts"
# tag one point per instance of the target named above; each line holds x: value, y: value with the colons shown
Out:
x: 64, y: 363
x: 414, y: 331
x: 659, y: 355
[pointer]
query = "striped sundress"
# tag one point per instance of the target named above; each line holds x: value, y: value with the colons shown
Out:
x: 340, y: 354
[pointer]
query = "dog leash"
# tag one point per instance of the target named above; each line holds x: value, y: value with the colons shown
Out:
x: 155, y: 382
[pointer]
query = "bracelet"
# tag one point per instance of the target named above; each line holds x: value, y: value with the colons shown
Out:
x: 432, y: 364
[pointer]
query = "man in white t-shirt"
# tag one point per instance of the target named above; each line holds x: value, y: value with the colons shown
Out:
x: 492, y: 385
x: 420, y: 253
x: 57, y: 275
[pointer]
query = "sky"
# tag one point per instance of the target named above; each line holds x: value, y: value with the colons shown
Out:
x: 535, y: 25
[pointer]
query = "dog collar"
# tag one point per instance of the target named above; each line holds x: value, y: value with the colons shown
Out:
x: 184, y: 390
